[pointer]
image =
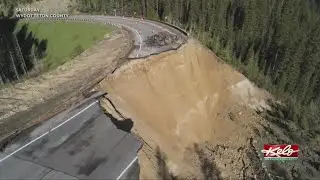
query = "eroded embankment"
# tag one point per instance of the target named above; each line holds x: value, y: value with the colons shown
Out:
x: 190, y: 109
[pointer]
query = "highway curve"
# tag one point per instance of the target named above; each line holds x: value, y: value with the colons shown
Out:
x: 140, y: 28
x: 82, y: 142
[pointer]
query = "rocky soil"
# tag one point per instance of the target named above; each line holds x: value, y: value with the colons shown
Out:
x: 161, y: 39
x: 201, y: 119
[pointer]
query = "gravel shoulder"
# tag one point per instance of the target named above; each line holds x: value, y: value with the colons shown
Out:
x: 26, y: 103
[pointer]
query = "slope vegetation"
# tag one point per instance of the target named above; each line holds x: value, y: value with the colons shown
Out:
x: 69, y: 43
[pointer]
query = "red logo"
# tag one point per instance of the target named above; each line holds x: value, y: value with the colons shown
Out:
x: 280, y: 151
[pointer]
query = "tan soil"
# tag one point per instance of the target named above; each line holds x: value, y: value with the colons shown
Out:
x: 190, y: 109
x: 71, y: 77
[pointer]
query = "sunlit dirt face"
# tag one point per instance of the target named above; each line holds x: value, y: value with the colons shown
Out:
x: 177, y: 99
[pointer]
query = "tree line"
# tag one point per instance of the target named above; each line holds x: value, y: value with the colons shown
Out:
x: 20, y: 50
x: 275, y: 43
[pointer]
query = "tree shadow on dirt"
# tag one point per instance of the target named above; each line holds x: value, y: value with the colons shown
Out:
x: 208, y: 167
x: 293, y: 120
x: 286, y: 125
x: 162, y: 168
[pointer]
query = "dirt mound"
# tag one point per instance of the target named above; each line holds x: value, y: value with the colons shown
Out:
x: 194, y: 113
x: 161, y: 39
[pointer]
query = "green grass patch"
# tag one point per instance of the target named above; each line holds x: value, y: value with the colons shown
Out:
x: 66, y: 40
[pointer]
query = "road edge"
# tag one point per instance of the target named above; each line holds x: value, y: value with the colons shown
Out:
x: 84, y: 93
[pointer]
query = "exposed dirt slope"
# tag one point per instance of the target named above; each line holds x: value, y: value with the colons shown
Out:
x: 190, y: 109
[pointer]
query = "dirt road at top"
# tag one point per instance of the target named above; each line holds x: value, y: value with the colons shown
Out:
x: 30, y: 101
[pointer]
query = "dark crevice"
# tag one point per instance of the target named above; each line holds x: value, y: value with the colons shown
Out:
x: 114, y: 107
x: 125, y: 125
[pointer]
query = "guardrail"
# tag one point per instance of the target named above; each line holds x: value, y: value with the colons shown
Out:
x: 108, y: 22
x: 104, y: 21
x: 89, y: 19
x: 4, y: 141
x: 157, y: 53
x: 184, y: 32
x: 72, y: 19
x: 119, y: 26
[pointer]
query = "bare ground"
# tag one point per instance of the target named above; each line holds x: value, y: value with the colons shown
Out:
x: 32, y: 100
x: 194, y: 113
x: 198, y: 119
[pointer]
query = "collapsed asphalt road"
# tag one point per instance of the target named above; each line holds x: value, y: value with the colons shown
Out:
x: 81, y: 143
x: 142, y: 29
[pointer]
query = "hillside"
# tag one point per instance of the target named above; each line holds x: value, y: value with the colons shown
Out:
x: 274, y: 43
x: 203, y: 119
x: 197, y: 117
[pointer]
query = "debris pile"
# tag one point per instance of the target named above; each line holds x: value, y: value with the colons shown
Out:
x: 161, y: 39
x: 187, y: 108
